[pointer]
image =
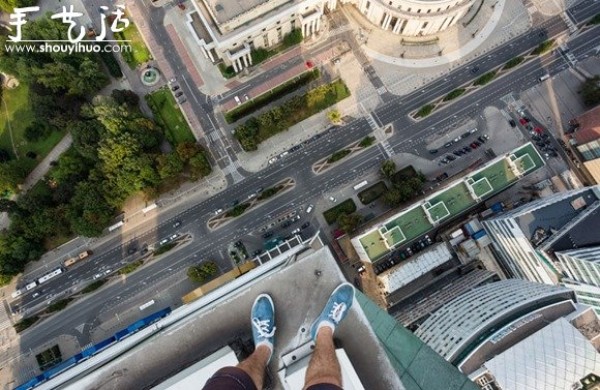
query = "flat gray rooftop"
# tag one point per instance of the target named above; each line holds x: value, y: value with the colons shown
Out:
x: 299, y: 291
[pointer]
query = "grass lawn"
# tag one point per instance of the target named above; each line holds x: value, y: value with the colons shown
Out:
x: 140, y: 53
x: 169, y: 116
x: 18, y: 114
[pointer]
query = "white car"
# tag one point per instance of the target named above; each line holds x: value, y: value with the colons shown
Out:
x: 296, y: 231
x: 331, y: 198
x: 97, y: 276
x: 309, y: 208
x: 273, y: 160
x: 163, y: 241
x: 107, y: 271
x: 218, y: 211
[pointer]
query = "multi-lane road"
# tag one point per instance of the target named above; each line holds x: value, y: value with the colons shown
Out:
x: 310, y: 188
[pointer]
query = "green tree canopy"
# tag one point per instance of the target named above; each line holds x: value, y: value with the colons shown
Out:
x: 387, y: 169
x: 590, y: 91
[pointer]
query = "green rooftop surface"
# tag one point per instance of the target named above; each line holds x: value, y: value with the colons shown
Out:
x: 456, y: 199
x: 373, y: 245
x: 451, y: 201
x: 417, y: 365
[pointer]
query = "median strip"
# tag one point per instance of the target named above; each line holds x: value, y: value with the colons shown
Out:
x: 356, y: 147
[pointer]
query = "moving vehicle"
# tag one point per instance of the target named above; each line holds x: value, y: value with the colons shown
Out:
x: 83, y: 255
x: 309, y: 208
x: 544, y: 77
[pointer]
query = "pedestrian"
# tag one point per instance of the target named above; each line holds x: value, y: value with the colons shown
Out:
x: 323, y: 372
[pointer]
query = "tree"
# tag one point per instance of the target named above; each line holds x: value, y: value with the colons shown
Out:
x: 125, y: 96
x: 199, y: 166
x: 12, y: 174
x: 203, y: 272
x: 7, y: 205
x: 169, y: 166
x: 334, y: 116
x: 187, y: 150
x: 88, y: 212
x: 388, y: 168
x: 393, y: 197
x: 349, y: 222
x: 590, y: 91
x: 4, y: 156
x: 9, y: 5
x: 37, y: 130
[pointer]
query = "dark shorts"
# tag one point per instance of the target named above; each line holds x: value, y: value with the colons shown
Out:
x: 233, y: 378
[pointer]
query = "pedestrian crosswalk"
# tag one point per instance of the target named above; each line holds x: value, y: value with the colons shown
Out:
x: 4, y: 316
x: 372, y: 122
x: 387, y: 148
x: 382, y: 90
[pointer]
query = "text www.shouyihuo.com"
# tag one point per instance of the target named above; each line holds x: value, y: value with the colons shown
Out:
x: 66, y: 47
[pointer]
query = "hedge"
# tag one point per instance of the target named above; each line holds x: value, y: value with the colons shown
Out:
x: 372, y: 193
x: 424, y: 111
x: 346, y: 207
x: 486, y: 78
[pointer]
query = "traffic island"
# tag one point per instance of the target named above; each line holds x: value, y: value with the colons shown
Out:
x: 329, y: 162
x: 239, y: 209
x: 482, y: 80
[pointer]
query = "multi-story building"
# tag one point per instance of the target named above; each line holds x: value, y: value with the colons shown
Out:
x: 459, y: 327
x: 181, y: 348
x: 228, y: 31
x: 529, y: 238
x: 586, y: 140
x: 413, y: 17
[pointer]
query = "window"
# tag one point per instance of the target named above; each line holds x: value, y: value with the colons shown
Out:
x: 367, y: 5
x: 266, y: 40
x: 425, y: 24
x: 279, y: 34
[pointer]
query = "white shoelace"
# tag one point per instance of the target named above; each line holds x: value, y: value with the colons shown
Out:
x: 262, y: 328
x: 337, y: 311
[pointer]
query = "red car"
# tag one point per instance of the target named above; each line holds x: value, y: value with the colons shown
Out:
x: 522, y: 121
x: 538, y: 130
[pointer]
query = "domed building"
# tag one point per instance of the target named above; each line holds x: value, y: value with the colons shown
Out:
x: 413, y: 17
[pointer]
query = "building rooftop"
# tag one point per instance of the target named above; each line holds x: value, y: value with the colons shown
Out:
x: 459, y: 326
x: 384, y: 356
x: 555, y: 357
x: 546, y: 219
x: 417, y: 266
x: 458, y: 197
x: 578, y: 235
x: 589, y: 126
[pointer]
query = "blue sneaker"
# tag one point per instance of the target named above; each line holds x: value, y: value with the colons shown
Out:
x: 335, y: 310
x: 263, y: 322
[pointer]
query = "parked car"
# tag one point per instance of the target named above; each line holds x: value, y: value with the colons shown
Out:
x: 448, y: 144
x: 458, y: 152
x: 467, y: 149
x: 174, y: 88
x: 177, y: 94
x: 267, y: 235
x: 450, y: 157
x: 305, y: 225
x: 522, y: 121
x: 176, y: 224
x: 433, y: 151
x: 512, y: 123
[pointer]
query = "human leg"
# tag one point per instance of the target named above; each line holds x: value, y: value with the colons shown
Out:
x: 249, y: 374
x: 324, y: 369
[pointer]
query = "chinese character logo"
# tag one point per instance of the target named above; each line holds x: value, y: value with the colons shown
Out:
x: 76, y: 32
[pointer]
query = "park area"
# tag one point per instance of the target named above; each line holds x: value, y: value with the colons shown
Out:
x: 139, y: 53
x: 15, y: 116
x: 168, y: 114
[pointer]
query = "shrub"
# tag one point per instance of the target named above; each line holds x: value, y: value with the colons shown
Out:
x: 543, y: 47
x: 292, y: 38
x: 259, y: 55
x: 93, y: 287
x: 129, y: 268
x: 346, y: 207
x: 226, y: 71
x: 595, y: 20
x: 424, y: 111
x: 366, y: 142
x: 372, y: 193
x: 486, y: 78
x: 25, y: 323
x: 237, y: 210
x: 268, y: 97
x: 269, y: 192
x: 58, y: 305
x: 164, y: 248
x: 514, y: 62
x: 454, y: 94
x: 337, y: 156
x: 111, y: 63
x: 202, y: 273
x: 294, y: 110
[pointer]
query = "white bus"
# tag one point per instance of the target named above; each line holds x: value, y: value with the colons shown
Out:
x: 544, y: 77
x: 360, y: 185
x: 31, y: 286
x: 16, y: 293
x: 115, y: 226
x: 149, y: 208
x: 50, y: 275
x: 147, y: 305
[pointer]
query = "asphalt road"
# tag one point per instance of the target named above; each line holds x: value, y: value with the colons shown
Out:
x: 309, y: 188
